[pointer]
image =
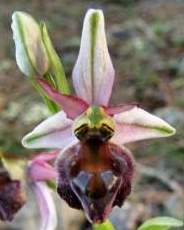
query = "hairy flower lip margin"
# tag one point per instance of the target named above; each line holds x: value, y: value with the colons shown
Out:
x: 76, y: 177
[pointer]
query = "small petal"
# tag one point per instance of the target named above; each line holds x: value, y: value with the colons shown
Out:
x: 54, y: 132
x: 112, y: 110
x: 41, y: 171
x: 46, y: 206
x: 46, y: 156
x: 31, y: 55
x: 137, y: 124
x: 73, y: 106
x: 93, y: 74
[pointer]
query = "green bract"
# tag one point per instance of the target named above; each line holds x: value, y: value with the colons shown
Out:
x: 56, y: 68
x: 161, y: 223
x: 31, y: 54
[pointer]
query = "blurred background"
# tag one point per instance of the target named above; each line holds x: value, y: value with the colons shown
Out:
x: 146, y: 43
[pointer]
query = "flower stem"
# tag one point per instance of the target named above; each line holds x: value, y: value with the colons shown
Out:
x: 107, y: 225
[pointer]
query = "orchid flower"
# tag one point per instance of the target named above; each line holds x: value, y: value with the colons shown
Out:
x: 93, y: 169
x: 13, y: 180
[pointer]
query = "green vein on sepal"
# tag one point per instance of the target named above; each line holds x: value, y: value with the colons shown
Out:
x: 93, y: 29
x: 34, y: 137
x: 163, y: 129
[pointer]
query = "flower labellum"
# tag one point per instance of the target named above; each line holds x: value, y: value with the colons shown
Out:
x: 95, y: 176
x: 31, y: 54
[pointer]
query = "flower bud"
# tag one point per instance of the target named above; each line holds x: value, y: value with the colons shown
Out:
x: 31, y: 55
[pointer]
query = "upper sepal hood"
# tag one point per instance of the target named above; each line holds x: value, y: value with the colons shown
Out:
x: 93, y: 74
x: 31, y: 54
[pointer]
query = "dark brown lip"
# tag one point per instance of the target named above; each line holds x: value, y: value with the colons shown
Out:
x: 95, y: 176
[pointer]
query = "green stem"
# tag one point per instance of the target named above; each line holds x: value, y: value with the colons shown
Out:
x: 107, y: 225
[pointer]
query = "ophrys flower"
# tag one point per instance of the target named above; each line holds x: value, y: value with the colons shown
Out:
x: 94, y: 170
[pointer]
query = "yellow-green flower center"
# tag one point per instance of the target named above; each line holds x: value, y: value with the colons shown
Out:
x: 94, y: 123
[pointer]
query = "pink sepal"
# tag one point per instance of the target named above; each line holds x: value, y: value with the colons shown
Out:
x: 40, y: 170
x: 112, y: 110
x: 46, y: 206
x: 72, y: 105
